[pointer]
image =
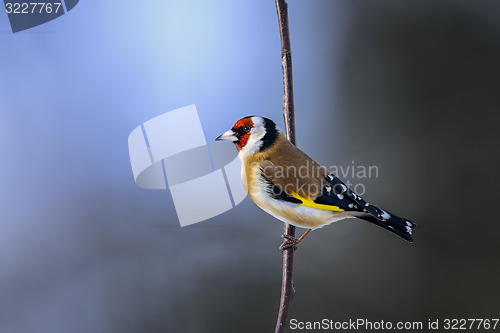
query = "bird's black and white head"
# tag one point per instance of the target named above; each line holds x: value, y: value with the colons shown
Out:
x: 252, y: 134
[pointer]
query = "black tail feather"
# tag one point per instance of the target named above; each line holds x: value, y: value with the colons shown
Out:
x: 396, y: 224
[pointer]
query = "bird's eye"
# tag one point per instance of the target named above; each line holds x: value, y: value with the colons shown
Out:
x: 246, y: 128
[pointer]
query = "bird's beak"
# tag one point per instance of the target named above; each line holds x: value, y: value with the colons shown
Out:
x: 227, y: 136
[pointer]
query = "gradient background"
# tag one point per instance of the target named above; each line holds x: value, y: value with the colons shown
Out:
x: 411, y: 87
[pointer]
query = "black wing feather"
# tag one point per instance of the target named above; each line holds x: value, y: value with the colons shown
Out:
x: 332, y: 197
x: 277, y: 193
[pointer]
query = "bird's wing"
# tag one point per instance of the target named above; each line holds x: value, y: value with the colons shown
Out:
x: 342, y: 191
x: 311, y: 189
x: 330, y: 193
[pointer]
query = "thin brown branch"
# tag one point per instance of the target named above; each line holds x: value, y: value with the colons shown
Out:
x: 287, y: 286
x: 286, y: 63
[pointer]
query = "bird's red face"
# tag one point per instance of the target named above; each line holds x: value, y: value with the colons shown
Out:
x: 239, y: 134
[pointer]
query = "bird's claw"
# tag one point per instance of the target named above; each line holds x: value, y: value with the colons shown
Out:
x: 289, y: 242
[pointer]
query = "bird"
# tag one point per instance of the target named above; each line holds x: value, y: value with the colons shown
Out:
x: 291, y: 186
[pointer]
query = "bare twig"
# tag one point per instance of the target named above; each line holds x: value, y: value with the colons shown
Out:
x: 287, y: 286
x: 286, y: 63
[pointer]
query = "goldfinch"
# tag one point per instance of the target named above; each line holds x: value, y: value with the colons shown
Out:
x: 291, y: 186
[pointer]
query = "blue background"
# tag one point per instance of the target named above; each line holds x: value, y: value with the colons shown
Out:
x: 411, y: 87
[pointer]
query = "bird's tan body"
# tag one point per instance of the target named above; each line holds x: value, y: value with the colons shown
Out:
x: 294, y: 172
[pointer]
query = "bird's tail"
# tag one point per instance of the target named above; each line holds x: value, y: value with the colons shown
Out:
x: 394, y: 223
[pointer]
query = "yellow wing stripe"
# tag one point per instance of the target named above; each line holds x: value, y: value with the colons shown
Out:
x: 312, y: 204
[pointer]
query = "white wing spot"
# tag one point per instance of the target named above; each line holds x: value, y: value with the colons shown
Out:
x: 408, y: 230
x: 385, y: 215
x: 350, y: 205
x: 340, y: 196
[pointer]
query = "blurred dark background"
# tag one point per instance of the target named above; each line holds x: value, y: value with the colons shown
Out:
x: 409, y: 87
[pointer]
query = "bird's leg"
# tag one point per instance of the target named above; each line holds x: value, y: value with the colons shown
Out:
x: 291, y: 241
